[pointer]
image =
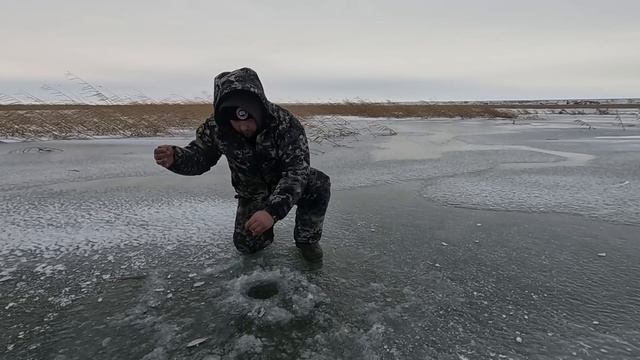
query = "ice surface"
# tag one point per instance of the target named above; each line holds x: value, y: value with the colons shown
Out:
x: 247, y: 344
x: 97, y: 242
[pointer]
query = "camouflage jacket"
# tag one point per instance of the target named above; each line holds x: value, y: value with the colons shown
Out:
x: 273, y: 169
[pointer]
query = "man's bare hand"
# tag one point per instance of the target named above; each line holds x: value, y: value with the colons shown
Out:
x: 260, y: 222
x: 164, y: 155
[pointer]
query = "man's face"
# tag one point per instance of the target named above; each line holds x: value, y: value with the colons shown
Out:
x: 247, y: 128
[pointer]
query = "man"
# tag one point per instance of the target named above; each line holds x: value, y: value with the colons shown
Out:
x: 268, y: 154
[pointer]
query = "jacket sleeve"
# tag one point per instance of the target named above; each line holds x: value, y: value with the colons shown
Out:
x: 293, y: 151
x: 200, y: 155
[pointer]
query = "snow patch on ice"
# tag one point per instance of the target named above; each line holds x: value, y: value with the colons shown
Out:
x: 86, y: 224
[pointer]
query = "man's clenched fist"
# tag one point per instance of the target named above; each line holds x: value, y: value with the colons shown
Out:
x: 164, y: 155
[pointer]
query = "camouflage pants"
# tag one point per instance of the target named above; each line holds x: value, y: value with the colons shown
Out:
x: 311, y: 208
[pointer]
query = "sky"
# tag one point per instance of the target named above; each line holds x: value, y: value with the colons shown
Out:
x: 325, y: 50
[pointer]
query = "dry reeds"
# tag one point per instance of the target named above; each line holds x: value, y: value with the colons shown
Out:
x: 397, y: 110
x: 85, y: 121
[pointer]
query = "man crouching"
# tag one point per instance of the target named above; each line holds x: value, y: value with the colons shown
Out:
x: 268, y: 155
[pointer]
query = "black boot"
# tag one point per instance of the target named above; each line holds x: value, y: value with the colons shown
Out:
x: 310, y: 252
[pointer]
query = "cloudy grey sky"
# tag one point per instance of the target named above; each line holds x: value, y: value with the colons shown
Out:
x: 329, y: 50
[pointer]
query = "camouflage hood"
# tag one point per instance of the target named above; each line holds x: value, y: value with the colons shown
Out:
x: 244, y: 79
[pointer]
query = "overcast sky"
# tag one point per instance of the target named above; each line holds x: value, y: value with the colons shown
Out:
x: 328, y: 50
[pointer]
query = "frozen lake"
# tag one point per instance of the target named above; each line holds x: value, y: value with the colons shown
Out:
x: 455, y: 239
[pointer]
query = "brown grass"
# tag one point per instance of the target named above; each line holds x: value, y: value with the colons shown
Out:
x: 393, y: 110
x: 77, y: 121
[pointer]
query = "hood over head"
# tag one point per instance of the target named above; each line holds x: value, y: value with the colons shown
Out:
x: 237, y: 85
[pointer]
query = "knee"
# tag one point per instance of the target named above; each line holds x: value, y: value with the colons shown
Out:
x: 249, y: 245
x: 319, y: 183
x: 323, y: 178
x: 242, y: 245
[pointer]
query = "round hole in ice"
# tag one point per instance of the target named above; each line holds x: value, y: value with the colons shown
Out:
x: 263, y: 290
